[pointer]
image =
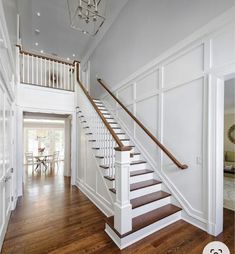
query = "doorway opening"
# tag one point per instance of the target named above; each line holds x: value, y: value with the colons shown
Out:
x: 47, y: 147
x: 229, y: 144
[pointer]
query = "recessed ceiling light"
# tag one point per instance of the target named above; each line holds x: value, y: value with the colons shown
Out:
x: 36, y: 43
x: 38, y: 14
x: 42, y: 51
x: 68, y: 58
x: 74, y: 55
x: 37, y: 31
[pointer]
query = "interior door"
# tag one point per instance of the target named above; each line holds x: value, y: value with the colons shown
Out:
x: 5, y: 162
x: 2, y: 174
x: 8, y: 157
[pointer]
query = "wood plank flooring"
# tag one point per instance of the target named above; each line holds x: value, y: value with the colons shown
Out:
x: 55, y: 218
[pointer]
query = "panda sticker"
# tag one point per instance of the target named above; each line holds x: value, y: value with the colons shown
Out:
x: 216, y: 247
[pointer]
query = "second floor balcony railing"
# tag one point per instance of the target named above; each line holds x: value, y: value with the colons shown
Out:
x: 45, y: 71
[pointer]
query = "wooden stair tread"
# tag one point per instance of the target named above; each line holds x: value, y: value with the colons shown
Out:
x: 146, y: 219
x: 140, y: 185
x: 109, y: 178
x: 140, y: 172
x: 149, y: 198
x: 136, y: 153
x: 144, y: 184
x: 137, y: 162
x: 103, y: 166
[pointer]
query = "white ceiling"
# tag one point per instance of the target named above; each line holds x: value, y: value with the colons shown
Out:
x: 56, y: 36
x: 229, y: 94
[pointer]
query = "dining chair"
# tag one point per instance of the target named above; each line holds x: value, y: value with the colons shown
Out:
x: 29, y: 158
x: 53, y: 159
x: 56, y: 159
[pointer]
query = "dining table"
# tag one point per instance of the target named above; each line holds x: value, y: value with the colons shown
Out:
x: 41, y: 160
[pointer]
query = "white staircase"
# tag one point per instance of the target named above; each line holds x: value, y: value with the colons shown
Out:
x: 151, y: 207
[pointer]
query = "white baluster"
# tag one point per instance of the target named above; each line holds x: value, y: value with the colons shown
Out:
x: 23, y: 68
x: 41, y: 72
x: 45, y: 74
x: 32, y: 68
x: 53, y: 74
x: 28, y: 69
x: 37, y: 70
x: 61, y: 83
x: 64, y: 86
x: 49, y: 71
x: 68, y: 77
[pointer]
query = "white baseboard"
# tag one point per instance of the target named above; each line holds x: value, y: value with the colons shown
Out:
x: 107, y: 211
x: 2, y: 236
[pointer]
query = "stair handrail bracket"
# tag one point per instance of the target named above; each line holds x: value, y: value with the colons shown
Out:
x: 137, y: 121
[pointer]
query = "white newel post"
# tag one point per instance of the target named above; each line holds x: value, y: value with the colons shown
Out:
x: 122, y: 206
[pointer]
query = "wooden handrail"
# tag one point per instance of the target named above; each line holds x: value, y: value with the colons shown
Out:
x: 120, y: 147
x: 159, y: 144
x: 45, y: 57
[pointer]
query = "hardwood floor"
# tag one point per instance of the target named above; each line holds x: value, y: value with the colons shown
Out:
x: 53, y: 217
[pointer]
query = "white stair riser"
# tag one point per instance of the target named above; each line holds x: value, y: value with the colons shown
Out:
x: 151, y: 206
x: 121, y: 136
x: 126, y: 143
x: 118, y: 130
x: 105, y: 161
x: 138, y: 166
x: 140, y: 178
x: 113, y: 125
x: 136, y: 158
x: 110, y: 184
x: 99, y: 104
x: 104, y: 111
x: 142, y: 233
x: 111, y: 120
x: 145, y: 191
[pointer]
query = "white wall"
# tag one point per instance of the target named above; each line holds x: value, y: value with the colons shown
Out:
x: 29, y: 96
x: 179, y: 98
x: 144, y: 30
x: 10, y: 8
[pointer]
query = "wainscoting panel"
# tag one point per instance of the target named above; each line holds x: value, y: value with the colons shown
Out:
x: 148, y: 84
x: 184, y: 68
x: 183, y: 136
x: 222, y: 46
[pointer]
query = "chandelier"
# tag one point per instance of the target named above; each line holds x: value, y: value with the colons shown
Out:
x: 87, y: 16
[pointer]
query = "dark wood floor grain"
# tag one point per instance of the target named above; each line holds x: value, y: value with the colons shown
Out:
x: 54, y: 217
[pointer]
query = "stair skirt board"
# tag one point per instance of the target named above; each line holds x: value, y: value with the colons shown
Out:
x: 142, y: 233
